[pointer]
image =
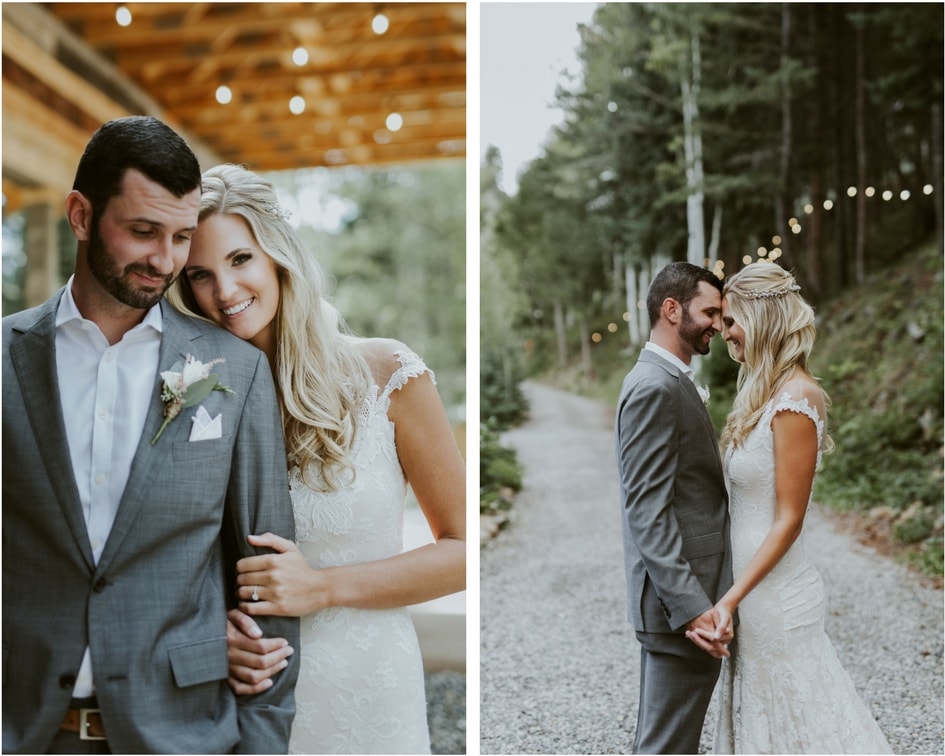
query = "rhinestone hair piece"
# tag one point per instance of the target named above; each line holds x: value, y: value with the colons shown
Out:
x: 277, y: 211
x: 768, y: 293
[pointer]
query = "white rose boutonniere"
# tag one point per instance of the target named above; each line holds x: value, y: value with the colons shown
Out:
x: 703, y: 393
x: 186, y: 384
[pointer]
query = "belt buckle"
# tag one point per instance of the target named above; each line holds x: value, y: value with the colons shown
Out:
x: 84, y: 725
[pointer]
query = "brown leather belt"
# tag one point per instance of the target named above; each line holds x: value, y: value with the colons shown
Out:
x: 87, y: 723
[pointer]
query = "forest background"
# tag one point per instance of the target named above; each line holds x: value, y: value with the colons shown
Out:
x: 809, y: 135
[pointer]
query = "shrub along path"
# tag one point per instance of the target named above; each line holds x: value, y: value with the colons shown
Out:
x: 559, y: 665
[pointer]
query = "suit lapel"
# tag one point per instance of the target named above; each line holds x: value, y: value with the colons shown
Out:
x: 692, y: 394
x: 703, y: 413
x: 33, y: 354
x: 152, y: 461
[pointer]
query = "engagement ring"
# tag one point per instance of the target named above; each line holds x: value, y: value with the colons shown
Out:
x: 255, y: 596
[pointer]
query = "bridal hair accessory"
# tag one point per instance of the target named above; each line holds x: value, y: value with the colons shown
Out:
x: 768, y: 293
x: 277, y: 211
x: 187, y: 383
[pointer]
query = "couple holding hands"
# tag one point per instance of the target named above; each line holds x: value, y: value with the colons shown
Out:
x: 717, y: 573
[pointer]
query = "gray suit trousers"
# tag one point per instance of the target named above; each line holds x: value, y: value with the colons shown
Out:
x: 676, y: 687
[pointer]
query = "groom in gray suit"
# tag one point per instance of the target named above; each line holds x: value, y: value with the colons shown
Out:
x: 123, y: 517
x: 675, y: 512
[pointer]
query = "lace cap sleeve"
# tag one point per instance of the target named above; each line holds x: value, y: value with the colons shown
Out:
x: 795, y: 397
x: 411, y: 366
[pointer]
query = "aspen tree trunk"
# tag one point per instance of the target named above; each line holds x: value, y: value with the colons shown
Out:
x: 634, y: 329
x: 692, y: 144
x: 587, y: 367
x: 716, y: 238
x: 561, y: 334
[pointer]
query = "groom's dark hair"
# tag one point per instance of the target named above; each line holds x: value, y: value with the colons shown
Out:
x: 140, y: 142
x: 679, y: 281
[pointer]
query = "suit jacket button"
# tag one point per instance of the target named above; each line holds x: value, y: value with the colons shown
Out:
x: 99, y: 585
x: 67, y: 682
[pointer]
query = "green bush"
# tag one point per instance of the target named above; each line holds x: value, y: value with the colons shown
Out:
x: 914, y: 525
x: 929, y: 557
x: 885, y: 381
x: 879, y: 353
x: 500, y: 472
x: 501, y: 402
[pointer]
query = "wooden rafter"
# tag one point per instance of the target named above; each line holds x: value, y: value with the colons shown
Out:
x: 180, y: 53
x: 67, y: 67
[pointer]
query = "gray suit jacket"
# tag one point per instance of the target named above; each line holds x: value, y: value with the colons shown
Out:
x: 675, y: 506
x: 153, y: 611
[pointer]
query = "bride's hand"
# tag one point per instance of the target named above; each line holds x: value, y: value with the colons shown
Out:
x: 725, y: 627
x: 280, y: 583
x: 717, y: 634
x: 252, y: 658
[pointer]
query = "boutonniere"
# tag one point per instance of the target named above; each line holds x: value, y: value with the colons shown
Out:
x: 187, y: 383
x: 703, y: 393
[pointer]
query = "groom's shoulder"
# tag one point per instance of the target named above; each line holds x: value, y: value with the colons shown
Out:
x: 648, y: 377
x: 212, y: 337
x: 650, y: 367
x: 24, y: 320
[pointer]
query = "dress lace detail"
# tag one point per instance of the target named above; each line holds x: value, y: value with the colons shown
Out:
x: 360, y: 687
x: 783, y: 690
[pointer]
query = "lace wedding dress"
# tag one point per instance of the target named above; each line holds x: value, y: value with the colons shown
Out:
x: 783, y: 690
x: 360, y: 687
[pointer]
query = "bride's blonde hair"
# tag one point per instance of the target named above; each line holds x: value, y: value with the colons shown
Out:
x: 764, y: 300
x: 320, y: 377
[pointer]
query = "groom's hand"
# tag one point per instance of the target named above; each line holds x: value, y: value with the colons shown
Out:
x: 703, y: 632
x: 253, y: 659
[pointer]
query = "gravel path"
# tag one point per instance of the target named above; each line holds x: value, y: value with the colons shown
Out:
x: 446, y: 711
x: 559, y: 665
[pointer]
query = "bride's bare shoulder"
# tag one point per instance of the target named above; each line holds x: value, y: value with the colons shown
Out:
x: 803, y: 387
x: 381, y: 357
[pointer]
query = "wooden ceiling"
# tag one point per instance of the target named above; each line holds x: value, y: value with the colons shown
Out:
x: 68, y: 67
x: 350, y: 78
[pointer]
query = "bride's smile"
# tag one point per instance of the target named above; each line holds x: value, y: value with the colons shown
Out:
x: 237, y: 309
x: 234, y: 282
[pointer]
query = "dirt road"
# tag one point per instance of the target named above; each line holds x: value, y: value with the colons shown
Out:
x: 559, y: 665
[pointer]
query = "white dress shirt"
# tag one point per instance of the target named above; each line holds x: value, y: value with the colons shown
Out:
x: 105, y: 393
x: 667, y: 355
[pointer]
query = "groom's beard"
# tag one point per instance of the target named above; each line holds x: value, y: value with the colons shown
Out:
x: 695, y: 336
x: 115, y: 281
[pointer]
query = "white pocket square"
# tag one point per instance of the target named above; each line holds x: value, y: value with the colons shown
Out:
x: 205, y: 427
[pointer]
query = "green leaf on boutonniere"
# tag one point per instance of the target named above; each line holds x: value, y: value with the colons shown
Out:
x: 187, y: 383
x: 200, y: 390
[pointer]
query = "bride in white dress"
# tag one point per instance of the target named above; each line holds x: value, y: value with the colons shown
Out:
x: 362, y: 420
x: 783, y: 690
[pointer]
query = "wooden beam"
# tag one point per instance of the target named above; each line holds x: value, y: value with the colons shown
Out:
x: 153, y: 22
x: 17, y: 197
x: 222, y: 67
x: 38, y: 144
x: 57, y: 77
x: 356, y: 154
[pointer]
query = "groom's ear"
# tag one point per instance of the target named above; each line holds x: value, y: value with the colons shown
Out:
x: 79, y: 214
x: 671, y: 309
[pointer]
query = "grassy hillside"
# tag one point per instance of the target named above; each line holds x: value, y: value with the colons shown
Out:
x: 880, y: 355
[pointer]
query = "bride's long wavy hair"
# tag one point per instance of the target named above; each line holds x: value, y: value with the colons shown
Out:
x: 764, y: 300
x: 320, y: 377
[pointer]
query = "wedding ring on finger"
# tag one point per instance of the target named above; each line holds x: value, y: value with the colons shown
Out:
x: 255, y: 596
